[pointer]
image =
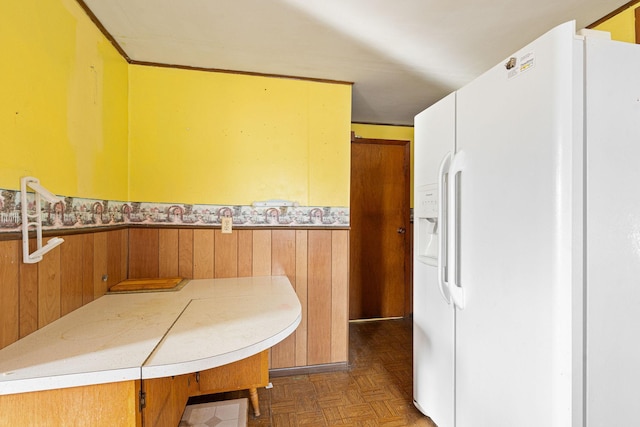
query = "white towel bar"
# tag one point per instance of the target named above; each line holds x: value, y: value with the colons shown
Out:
x: 35, y: 220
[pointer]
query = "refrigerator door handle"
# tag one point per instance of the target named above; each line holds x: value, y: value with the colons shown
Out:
x: 454, y: 233
x: 443, y: 226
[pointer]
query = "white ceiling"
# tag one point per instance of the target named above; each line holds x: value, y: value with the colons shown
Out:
x: 402, y: 55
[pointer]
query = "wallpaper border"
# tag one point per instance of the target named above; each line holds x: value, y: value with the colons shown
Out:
x: 75, y: 213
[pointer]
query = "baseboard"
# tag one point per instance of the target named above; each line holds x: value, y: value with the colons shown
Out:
x: 304, y: 370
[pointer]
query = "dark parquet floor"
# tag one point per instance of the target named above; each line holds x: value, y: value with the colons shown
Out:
x: 376, y: 389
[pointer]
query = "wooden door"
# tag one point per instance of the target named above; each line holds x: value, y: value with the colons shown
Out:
x: 379, y: 245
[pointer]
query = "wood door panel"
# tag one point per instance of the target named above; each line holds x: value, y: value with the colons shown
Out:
x: 166, y: 399
x: 111, y: 404
x: 251, y: 372
x: 379, y: 210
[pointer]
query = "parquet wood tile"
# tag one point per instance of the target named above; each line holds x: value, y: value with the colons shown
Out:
x: 376, y: 390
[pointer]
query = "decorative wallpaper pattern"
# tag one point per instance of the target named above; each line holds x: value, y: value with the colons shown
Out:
x: 77, y: 213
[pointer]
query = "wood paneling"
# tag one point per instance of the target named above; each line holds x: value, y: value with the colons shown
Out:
x: 168, y: 246
x: 203, y: 251
x: 144, y: 245
x: 28, y: 295
x: 319, y: 292
x: 115, y: 241
x: 99, y: 264
x: 71, y: 266
x: 316, y: 262
x: 87, y: 268
x: 49, y: 291
x: 283, y: 262
x: 9, y: 292
x: 301, y: 291
x: 339, y: 287
x: 225, y: 254
x: 185, y: 253
x: 261, y: 253
x: 245, y: 253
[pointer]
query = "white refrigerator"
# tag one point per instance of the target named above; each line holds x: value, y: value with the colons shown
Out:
x: 527, y: 241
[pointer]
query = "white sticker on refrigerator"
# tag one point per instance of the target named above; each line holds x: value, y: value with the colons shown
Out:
x: 516, y: 66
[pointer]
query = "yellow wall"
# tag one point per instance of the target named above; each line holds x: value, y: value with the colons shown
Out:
x: 63, y: 101
x: 402, y: 133
x: 219, y: 138
x: 621, y: 26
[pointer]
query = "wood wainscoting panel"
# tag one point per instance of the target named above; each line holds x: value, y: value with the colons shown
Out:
x: 302, y: 249
x: 144, y: 244
x: 226, y: 254
x: 68, y: 277
x: 283, y: 262
x: 339, y: 289
x: 168, y: 247
x: 28, y: 293
x: 100, y: 263
x: 115, y: 241
x: 88, y: 291
x: 261, y: 253
x: 185, y: 253
x: 203, y: 254
x: 49, y: 290
x: 245, y: 253
x: 71, y: 272
x: 319, y: 294
x: 9, y: 292
x: 85, y: 266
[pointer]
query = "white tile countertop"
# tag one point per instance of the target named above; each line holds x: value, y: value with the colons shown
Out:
x: 119, y: 337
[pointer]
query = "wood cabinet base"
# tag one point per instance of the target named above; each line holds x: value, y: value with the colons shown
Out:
x: 112, y: 404
x: 118, y: 404
x: 166, y: 397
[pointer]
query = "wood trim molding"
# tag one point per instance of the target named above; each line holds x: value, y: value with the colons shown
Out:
x: 103, y: 30
x: 637, y: 24
x: 131, y: 61
x: 614, y: 13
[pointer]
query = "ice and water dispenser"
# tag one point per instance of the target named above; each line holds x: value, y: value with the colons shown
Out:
x: 425, y: 218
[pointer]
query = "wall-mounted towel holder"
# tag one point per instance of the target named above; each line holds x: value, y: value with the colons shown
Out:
x: 35, y: 220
